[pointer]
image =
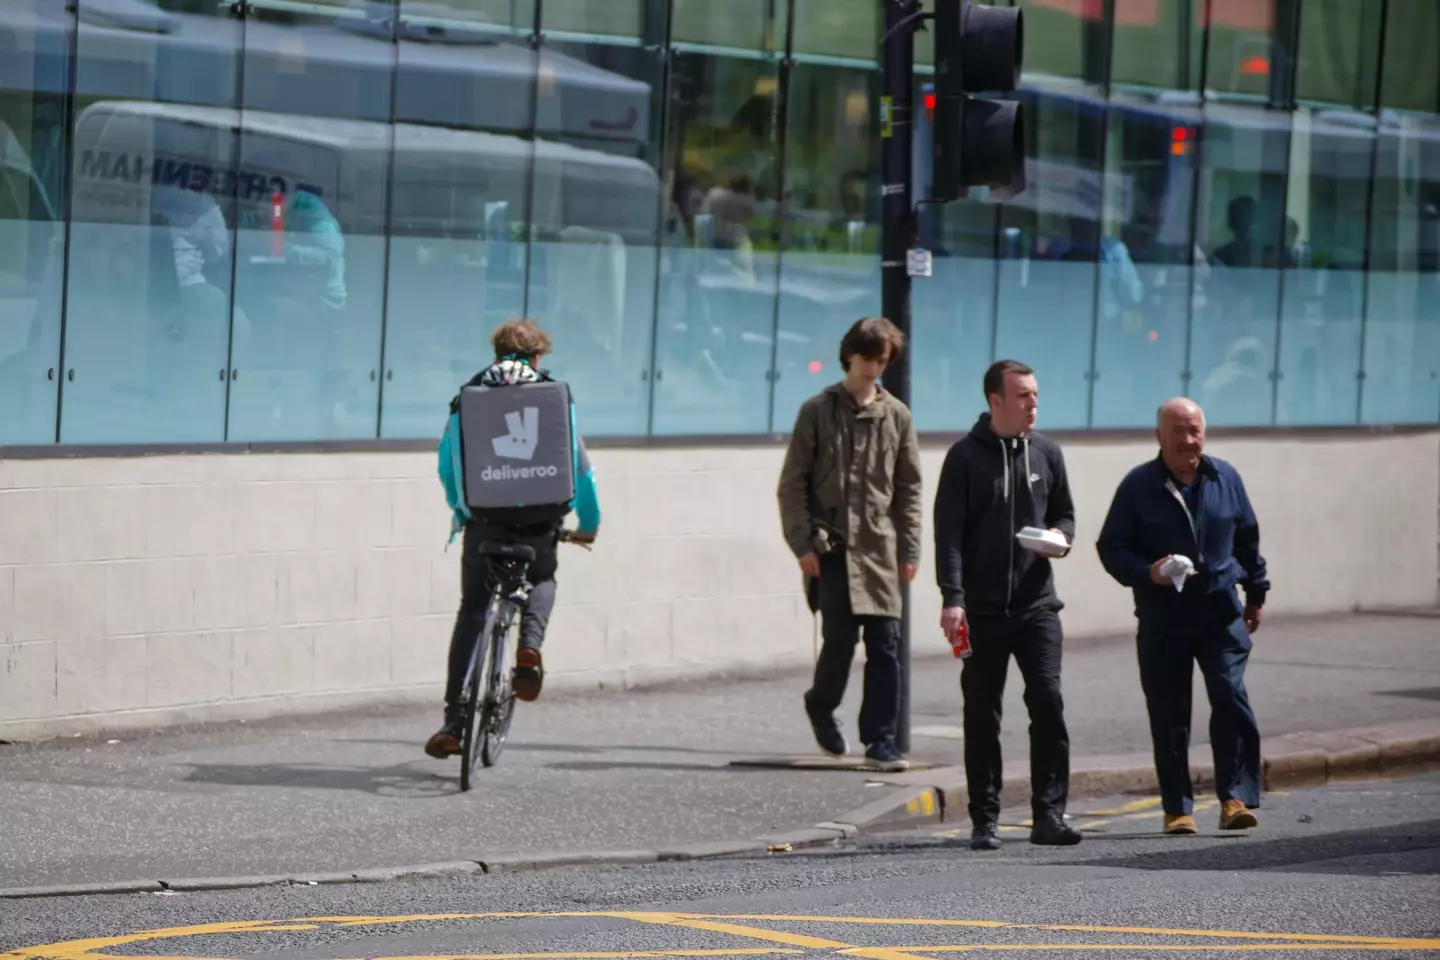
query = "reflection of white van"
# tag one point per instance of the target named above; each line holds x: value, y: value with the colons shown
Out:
x: 442, y: 180
x: 27, y: 224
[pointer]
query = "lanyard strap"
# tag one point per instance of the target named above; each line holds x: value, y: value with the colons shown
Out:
x: 1194, y: 528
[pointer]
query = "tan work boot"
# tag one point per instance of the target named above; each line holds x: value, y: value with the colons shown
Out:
x: 1180, y: 823
x: 1235, y: 816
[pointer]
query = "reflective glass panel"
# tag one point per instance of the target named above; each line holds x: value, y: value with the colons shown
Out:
x: 157, y: 179
x: 1402, y: 321
x: 1237, y: 283
x: 1410, y: 71
x: 719, y: 257
x: 830, y: 269
x: 1339, y: 42
x: 1146, y: 273
x: 1050, y: 244
x: 35, y: 39
x: 1158, y: 43
x: 1322, y: 254
x: 595, y: 203
x: 462, y: 165
x: 310, y: 249
x: 841, y: 28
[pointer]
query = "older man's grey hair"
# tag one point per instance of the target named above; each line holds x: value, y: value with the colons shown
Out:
x: 1179, y: 404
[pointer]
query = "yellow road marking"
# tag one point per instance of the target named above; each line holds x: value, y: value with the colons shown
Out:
x: 1396, y: 946
x: 870, y: 921
x: 716, y: 925
x: 620, y: 955
x: 1200, y: 807
x: 697, y: 922
x: 1144, y: 803
x: 923, y: 805
x: 739, y: 925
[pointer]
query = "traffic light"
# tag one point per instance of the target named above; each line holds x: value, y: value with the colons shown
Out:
x: 978, y: 49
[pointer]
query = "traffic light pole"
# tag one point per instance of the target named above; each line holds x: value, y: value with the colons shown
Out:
x: 897, y: 233
x: 977, y: 142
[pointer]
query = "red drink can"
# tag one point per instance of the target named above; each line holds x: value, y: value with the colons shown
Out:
x: 960, y: 642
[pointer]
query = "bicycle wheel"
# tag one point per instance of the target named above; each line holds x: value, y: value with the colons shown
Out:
x: 499, y: 704
x: 472, y: 735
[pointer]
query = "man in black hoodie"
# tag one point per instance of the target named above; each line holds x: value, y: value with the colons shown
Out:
x: 999, y: 479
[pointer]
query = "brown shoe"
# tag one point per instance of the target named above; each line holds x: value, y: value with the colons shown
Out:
x: 1180, y: 823
x: 529, y: 673
x: 445, y: 742
x: 1235, y: 816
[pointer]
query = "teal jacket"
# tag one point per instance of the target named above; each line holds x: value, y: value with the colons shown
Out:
x: 452, y: 466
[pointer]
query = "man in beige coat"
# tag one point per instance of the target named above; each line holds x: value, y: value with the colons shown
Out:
x: 850, y: 508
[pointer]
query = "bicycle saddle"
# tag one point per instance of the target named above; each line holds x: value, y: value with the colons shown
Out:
x: 510, y: 551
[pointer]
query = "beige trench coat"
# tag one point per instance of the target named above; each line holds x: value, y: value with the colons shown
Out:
x: 856, y: 470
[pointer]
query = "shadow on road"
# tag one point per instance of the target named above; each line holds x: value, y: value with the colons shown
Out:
x: 1419, y: 693
x: 1342, y: 852
x: 398, y: 781
x: 585, y: 765
x: 575, y: 748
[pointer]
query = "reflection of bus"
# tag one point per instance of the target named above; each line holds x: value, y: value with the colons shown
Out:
x: 455, y: 70
x: 125, y: 153
x: 1162, y: 144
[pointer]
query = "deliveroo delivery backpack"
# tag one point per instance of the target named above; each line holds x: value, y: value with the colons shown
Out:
x: 515, y: 456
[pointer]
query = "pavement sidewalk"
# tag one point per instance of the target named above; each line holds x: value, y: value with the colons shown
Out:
x: 647, y: 771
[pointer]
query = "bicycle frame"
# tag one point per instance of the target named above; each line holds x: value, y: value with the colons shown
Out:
x: 488, y: 709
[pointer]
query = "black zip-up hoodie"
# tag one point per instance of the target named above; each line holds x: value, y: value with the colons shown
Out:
x: 989, y: 490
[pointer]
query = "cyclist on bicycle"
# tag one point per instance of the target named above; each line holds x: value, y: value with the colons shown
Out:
x: 519, y: 345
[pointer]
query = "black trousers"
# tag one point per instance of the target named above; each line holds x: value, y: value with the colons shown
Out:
x: 476, y: 585
x: 1034, y: 639
x: 880, y: 708
x: 1167, y: 658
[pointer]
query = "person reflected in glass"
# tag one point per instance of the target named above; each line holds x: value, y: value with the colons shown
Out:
x: 1243, y: 249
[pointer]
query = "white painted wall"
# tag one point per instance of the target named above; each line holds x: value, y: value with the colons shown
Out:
x: 155, y: 589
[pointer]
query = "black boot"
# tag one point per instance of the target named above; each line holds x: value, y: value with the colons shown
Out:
x: 984, y: 836
x: 827, y: 731
x: 1051, y: 830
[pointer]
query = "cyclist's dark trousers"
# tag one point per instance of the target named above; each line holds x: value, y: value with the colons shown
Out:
x: 1034, y: 639
x: 476, y: 585
x: 1167, y: 655
x: 880, y: 709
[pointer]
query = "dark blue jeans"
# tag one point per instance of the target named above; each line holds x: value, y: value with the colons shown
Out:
x: 880, y: 708
x: 1166, y: 657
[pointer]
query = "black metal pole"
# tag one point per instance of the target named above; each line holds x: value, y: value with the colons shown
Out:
x: 897, y: 228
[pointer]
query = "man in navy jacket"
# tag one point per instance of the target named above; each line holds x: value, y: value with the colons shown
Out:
x: 1185, y: 504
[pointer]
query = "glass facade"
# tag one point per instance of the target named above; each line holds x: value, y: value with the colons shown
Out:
x: 274, y: 220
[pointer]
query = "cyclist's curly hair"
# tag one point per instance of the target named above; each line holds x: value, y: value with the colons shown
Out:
x: 520, y: 338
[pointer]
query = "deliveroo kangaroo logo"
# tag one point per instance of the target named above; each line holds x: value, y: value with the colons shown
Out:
x: 519, y: 443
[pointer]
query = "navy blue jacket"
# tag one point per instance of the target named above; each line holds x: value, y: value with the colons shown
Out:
x: 1147, y: 522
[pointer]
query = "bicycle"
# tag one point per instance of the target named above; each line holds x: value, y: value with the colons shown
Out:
x: 486, y: 720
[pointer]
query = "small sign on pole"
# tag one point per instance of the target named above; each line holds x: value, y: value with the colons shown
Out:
x: 918, y: 262
x: 887, y: 117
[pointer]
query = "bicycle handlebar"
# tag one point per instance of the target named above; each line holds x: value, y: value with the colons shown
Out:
x: 572, y: 536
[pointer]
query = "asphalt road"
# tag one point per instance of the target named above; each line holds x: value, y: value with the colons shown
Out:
x: 1344, y: 871
x: 617, y: 770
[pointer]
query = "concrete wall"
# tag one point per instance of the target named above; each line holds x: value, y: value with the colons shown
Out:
x: 156, y: 589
